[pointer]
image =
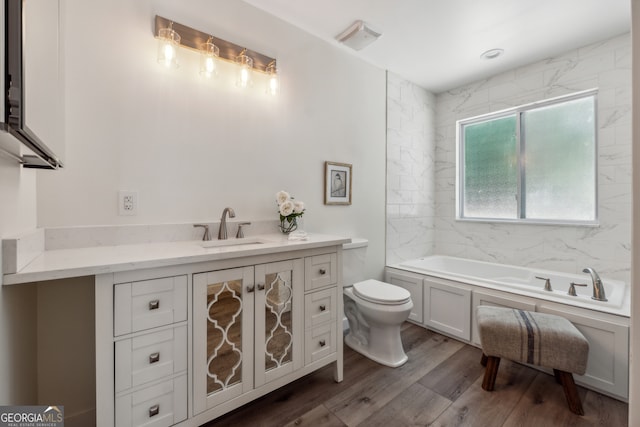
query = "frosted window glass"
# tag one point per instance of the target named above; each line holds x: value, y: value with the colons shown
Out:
x: 491, y: 169
x: 559, y: 148
x: 535, y: 162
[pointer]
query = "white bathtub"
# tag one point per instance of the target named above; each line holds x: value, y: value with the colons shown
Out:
x: 523, y: 281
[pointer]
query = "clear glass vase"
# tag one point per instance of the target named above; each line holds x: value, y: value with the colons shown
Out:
x: 287, y: 225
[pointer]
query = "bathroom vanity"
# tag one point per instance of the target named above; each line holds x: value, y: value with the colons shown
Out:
x: 185, y: 333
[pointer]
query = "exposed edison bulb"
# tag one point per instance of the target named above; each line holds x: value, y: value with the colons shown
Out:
x: 245, y: 65
x: 168, y: 42
x: 208, y: 55
x: 169, y: 54
x: 273, y: 86
x: 244, y: 77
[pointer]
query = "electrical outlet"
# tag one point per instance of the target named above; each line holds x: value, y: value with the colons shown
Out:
x: 127, y: 203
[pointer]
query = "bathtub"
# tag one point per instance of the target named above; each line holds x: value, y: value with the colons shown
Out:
x: 523, y: 281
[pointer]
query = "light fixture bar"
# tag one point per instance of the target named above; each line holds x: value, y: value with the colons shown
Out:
x: 194, y: 39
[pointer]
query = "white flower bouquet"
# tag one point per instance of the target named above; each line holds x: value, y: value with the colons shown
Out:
x: 289, y: 210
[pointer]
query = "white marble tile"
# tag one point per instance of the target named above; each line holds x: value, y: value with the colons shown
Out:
x: 604, y: 65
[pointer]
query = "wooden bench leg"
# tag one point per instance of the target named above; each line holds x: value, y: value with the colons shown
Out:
x: 490, y: 374
x: 570, y: 391
x: 483, y: 360
x: 556, y: 374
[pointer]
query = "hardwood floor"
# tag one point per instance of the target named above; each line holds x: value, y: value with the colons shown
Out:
x: 440, y: 385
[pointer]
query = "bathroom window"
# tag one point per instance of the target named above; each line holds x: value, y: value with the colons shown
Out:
x: 535, y: 163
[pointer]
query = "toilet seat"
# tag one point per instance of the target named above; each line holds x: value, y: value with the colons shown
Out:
x: 378, y: 292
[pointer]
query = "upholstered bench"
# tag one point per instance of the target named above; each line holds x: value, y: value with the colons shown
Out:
x: 534, y: 338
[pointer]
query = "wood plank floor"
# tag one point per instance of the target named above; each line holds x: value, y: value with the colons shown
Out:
x: 440, y: 385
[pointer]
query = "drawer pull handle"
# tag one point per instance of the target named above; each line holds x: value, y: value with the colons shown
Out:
x: 322, y: 343
x: 154, y: 410
x: 323, y: 271
x: 154, y: 305
x: 154, y: 357
x: 250, y: 288
x: 323, y: 307
x: 261, y: 286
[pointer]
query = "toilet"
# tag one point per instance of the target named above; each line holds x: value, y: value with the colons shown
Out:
x: 375, y: 310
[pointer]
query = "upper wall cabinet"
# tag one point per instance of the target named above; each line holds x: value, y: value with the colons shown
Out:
x: 32, y: 102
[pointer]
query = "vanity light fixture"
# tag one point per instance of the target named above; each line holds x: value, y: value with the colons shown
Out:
x: 273, y: 86
x: 208, y: 57
x: 212, y: 49
x: 168, y: 42
x: 245, y: 65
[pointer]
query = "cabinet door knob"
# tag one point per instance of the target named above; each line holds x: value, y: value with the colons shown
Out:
x: 154, y: 305
x: 322, y: 343
x: 154, y: 410
x: 251, y: 288
x: 154, y: 357
x: 261, y: 286
x: 323, y: 271
x: 323, y: 307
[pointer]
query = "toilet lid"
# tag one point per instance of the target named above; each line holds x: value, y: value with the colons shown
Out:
x: 381, y: 293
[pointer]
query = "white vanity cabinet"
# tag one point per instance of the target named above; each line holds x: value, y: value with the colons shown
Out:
x: 190, y: 342
x: 184, y: 333
x: 321, y: 307
x: 247, y: 326
x: 150, y: 351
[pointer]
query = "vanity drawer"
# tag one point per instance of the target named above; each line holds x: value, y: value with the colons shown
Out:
x: 321, y: 271
x: 148, y: 304
x: 319, y: 342
x: 320, y: 307
x: 160, y: 405
x: 150, y: 357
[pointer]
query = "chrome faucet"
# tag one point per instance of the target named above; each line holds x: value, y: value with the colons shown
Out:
x: 222, y: 232
x: 598, y: 289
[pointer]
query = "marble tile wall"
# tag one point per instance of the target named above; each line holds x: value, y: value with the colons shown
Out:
x: 606, y: 66
x: 410, y: 170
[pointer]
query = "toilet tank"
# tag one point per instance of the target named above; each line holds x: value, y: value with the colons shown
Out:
x: 353, y: 260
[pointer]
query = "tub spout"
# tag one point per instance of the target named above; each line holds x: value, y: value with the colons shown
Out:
x: 598, y: 289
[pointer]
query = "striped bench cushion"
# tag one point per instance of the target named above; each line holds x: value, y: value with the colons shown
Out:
x: 534, y: 338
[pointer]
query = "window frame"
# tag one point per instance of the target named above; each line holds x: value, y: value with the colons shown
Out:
x: 521, y: 174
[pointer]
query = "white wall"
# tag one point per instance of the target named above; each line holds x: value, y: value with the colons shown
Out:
x: 606, y: 66
x: 17, y: 323
x: 190, y: 147
x: 410, y: 170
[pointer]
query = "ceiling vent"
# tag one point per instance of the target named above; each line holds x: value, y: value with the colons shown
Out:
x: 358, y: 36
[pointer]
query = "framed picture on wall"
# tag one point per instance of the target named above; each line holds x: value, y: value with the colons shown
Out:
x: 337, y: 183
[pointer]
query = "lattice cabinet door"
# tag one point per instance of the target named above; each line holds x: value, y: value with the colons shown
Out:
x: 223, y: 347
x: 279, y: 322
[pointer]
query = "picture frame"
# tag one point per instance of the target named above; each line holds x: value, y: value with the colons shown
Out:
x: 337, y: 183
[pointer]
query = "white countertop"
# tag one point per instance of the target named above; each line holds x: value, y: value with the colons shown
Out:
x: 65, y: 263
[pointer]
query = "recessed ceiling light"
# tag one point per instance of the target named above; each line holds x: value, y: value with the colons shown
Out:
x: 492, y: 53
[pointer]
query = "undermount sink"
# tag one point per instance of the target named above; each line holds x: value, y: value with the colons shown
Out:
x: 230, y: 242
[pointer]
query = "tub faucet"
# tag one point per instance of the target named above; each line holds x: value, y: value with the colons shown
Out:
x: 598, y: 289
x: 222, y: 232
x: 547, y: 283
